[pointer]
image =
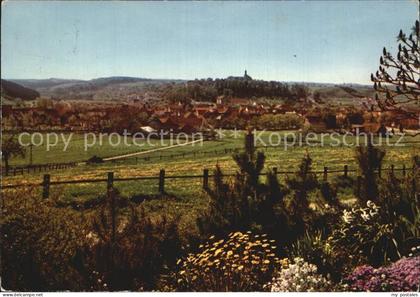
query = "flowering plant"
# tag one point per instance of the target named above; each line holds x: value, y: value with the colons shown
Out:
x: 299, y: 276
x: 363, y: 236
x: 242, y: 262
x: 403, y: 275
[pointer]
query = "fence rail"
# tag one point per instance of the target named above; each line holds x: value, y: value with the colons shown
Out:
x: 46, y: 183
x: 15, y: 170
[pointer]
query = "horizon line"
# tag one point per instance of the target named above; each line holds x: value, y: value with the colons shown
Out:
x: 184, y: 79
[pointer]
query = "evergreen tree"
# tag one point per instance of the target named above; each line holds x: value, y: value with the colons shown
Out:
x: 369, y: 159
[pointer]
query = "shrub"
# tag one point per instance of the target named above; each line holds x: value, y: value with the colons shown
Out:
x: 402, y: 275
x: 95, y: 159
x: 245, y: 203
x: 364, y: 236
x: 46, y: 247
x: 300, y: 276
x: 39, y: 244
x: 248, y: 204
x: 242, y: 262
x: 313, y: 248
x: 278, y: 121
x: 369, y: 159
x: 400, y: 206
x: 128, y: 250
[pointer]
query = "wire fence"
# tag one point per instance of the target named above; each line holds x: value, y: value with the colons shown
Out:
x: 161, y: 177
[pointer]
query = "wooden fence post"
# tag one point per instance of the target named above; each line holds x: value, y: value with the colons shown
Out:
x: 111, y: 201
x: 110, y: 182
x: 162, y: 181
x: 346, y: 170
x: 358, y: 185
x: 392, y: 169
x: 46, y: 186
x: 205, y: 178
x: 275, y: 171
x: 325, y: 173
x: 403, y: 170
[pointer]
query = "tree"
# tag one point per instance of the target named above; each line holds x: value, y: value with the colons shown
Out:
x: 245, y: 202
x: 369, y: 159
x: 11, y: 148
x: 397, y: 81
x: 302, y: 183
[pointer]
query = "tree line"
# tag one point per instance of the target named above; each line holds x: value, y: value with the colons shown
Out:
x: 209, y: 89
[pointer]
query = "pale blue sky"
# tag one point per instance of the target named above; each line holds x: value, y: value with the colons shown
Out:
x: 336, y: 41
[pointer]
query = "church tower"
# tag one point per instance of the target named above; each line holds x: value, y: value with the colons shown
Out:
x: 246, y: 76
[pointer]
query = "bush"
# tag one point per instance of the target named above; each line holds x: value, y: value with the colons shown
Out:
x: 278, y: 121
x: 129, y: 251
x: 39, y: 244
x: 246, y: 203
x: 46, y: 247
x: 94, y: 160
x: 313, y: 248
x: 369, y: 159
x: 400, y: 206
x: 242, y: 262
x: 364, y: 236
x: 402, y: 275
x: 300, y: 276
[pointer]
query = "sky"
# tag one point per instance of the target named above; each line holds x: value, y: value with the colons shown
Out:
x: 312, y: 41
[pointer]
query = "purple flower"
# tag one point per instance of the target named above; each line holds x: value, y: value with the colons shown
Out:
x: 403, y: 275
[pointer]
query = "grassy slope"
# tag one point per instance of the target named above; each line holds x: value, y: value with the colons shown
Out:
x: 284, y: 160
x: 189, y: 198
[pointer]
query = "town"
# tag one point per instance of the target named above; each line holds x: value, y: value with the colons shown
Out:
x: 188, y: 116
x: 210, y: 146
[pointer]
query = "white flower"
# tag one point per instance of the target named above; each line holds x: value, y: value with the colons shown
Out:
x: 299, y: 277
x: 365, y: 216
x: 347, y: 216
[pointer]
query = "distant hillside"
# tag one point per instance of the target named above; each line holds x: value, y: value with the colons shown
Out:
x: 11, y: 90
x: 105, y: 88
x: 45, y: 83
x: 123, y: 88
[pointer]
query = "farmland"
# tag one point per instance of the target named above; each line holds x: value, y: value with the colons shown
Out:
x: 185, y: 197
x: 191, y: 159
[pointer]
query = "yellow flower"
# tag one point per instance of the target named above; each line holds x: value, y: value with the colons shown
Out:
x: 217, y: 252
x: 219, y: 242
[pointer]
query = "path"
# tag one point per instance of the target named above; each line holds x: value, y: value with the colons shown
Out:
x: 149, y: 151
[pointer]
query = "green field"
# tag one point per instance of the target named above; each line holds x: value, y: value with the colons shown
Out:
x: 186, y: 196
x: 192, y: 159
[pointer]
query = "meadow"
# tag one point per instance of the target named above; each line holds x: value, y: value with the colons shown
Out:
x: 186, y: 195
x: 185, y: 200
